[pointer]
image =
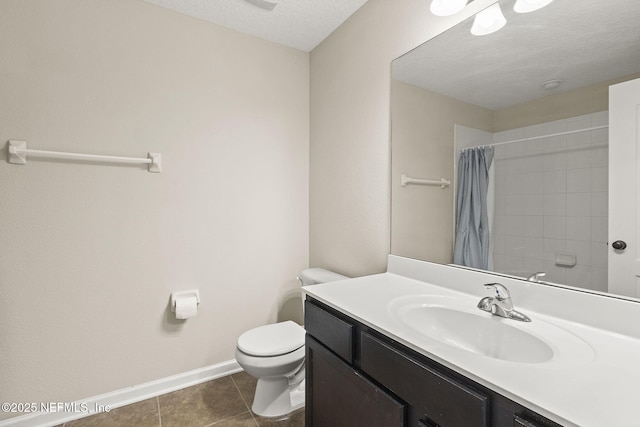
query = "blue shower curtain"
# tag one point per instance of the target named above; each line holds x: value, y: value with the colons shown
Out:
x: 471, y: 247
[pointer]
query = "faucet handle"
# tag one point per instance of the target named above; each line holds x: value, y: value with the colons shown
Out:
x: 535, y: 277
x: 501, y: 293
x: 485, y: 304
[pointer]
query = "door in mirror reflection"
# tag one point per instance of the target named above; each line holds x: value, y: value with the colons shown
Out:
x: 624, y: 266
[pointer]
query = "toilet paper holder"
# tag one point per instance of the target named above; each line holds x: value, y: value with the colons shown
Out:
x: 176, y: 295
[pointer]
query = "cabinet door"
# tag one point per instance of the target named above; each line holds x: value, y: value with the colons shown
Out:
x: 338, y: 396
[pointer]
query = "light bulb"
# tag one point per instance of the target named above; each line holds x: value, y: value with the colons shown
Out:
x: 488, y: 21
x: 447, y: 7
x: 525, y: 6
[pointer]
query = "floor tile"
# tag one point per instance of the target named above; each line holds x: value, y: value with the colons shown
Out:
x: 140, y: 414
x: 224, y: 402
x: 202, y: 404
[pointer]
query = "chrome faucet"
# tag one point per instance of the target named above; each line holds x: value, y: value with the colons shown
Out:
x: 501, y: 304
x: 535, y: 277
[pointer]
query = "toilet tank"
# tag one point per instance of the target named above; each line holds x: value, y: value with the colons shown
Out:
x: 313, y: 276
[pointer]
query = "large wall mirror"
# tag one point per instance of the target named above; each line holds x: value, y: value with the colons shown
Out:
x: 537, y: 91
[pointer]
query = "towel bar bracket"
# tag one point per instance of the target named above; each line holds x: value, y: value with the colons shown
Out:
x: 17, y: 154
x: 156, y: 162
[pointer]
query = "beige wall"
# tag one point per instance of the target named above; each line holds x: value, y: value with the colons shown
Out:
x: 350, y: 152
x: 90, y: 253
x: 423, y: 147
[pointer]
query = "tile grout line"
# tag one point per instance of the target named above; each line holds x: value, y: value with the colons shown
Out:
x: 240, y: 393
x: 159, y: 413
x: 223, y: 420
x: 243, y: 400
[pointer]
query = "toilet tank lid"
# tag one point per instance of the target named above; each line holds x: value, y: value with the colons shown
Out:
x: 312, y: 276
x: 272, y: 340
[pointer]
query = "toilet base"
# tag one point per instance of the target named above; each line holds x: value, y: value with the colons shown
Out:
x: 276, y: 396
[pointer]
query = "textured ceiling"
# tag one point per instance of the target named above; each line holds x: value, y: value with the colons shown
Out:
x: 582, y: 42
x: 301, y: 24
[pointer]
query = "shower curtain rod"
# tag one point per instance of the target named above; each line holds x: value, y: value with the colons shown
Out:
x: 532, y: 138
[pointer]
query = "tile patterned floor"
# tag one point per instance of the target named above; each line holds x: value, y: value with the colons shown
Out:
x: 224, y: 402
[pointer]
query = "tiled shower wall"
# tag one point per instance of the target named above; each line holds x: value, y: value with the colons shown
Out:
x: 551, y: 197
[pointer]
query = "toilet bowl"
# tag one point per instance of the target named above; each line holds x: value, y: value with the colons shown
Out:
x: 274, y: 354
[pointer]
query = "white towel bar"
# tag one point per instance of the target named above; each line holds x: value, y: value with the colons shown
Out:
x: 18, y: 152
x: 406, y: 180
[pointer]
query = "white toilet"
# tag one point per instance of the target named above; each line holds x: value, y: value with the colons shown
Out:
x: 274, y: 354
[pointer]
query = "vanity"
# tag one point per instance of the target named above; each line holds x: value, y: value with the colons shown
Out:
x: 410, y: 347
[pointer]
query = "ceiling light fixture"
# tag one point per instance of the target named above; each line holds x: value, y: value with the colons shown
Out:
x: 447, y: 7
x: 263, y: 4
x: 526, y: 6
x: 488, y: 21
x: 551, y: 84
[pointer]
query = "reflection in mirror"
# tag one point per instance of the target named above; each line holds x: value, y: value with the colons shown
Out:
x: 537, y: 91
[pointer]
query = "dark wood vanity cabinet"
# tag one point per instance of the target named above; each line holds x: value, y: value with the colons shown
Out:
x: 359, y: 377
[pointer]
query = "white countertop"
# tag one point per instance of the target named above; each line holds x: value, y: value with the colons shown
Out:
x: 593, y: 383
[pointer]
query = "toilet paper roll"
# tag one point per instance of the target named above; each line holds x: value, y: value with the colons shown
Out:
x: 186, y: 306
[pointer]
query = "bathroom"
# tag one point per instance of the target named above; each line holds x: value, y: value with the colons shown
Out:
x: 274, y: 159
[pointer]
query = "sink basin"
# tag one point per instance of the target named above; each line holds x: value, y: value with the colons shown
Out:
x: 457, y: 323
x: 489, y: 336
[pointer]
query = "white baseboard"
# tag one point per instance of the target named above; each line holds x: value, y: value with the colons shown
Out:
x: 54, y: 414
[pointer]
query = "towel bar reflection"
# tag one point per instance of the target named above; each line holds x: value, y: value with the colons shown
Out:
x: 18, y: 153
x: 406, y: 180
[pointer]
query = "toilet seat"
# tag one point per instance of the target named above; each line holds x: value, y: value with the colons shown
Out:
x: 272, y: 340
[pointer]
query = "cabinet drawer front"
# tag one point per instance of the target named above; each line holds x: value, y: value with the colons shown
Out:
x: 333, y: 332
x: 444, y: 400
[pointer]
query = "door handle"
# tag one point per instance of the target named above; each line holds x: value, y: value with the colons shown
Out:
x: 619, y: 245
